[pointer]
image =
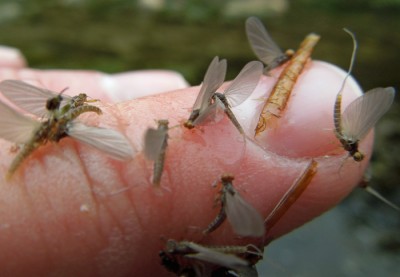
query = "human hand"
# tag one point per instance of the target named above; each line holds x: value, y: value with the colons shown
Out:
x: 71, y: 210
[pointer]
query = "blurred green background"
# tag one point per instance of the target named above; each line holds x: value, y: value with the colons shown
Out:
x: 360, y: 237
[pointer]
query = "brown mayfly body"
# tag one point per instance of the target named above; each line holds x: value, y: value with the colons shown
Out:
x: 264, y: 46
x: 155, y: 146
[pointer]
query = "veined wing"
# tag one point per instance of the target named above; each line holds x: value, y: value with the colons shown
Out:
x: 213, y: 79
x: 106, y: 140
x: 16, y: 127
x: 153, y: 141
x: 215, y: 257
x: 213, y: 113
x: 361, y: 115
x: 244, y: 84
x: 245, y: 219
x: 30, y: 98
x: 261, y: 42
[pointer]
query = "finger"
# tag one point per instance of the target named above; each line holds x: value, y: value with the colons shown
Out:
x: 72, y: 210
x: 11, y: 58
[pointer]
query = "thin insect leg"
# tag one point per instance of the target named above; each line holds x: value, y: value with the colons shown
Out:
x: 276, y: 102
x: 159, y: 162
x: 291, y: 196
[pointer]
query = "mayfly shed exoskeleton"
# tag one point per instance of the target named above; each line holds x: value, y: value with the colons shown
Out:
x: 263, y: 45
x: 210, y: 104
x: 245, y: 220
x: 155, y: 146
x: 32, y: 133
x: 187, y: 258
x: 361, y: 115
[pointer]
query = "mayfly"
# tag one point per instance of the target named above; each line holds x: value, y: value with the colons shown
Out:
x: 263, y: 46
x: 40, y: 101
x: 187, y: 257
x: 213, y: 79
x: 210, y: 104
x: 155, y: 146
x: 245, y: 219
x: 361, y: 115
x: 31, y: 133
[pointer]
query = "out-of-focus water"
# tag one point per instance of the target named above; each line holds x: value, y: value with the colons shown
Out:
x: 360, y: 237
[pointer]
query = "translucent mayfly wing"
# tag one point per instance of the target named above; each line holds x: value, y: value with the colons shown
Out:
x: 361, y: 115
x: 210, y: 255
x: 213, y: 113
x: 245, y: 219
x: 30, y: 98
x: 262, y: 44
x: 153, y: 142
x: 105, y: 140
x: 213, y: 79
x: 16, y: 127
x: 244, y: 84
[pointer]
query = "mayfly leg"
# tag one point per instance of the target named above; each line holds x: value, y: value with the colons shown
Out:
x: 156, y: 142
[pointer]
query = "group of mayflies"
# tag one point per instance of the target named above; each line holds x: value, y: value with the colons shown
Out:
x: 50, y: 116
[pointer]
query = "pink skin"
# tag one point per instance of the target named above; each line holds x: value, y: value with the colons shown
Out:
x: 71, y: 210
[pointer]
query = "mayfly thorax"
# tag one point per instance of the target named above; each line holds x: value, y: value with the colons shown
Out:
x: 56, y: 121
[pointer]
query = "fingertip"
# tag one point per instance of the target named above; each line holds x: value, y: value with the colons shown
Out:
x: 11, y: 57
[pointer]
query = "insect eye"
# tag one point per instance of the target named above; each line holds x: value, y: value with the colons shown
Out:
x: 53, y: 103
x: 358, y: 156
